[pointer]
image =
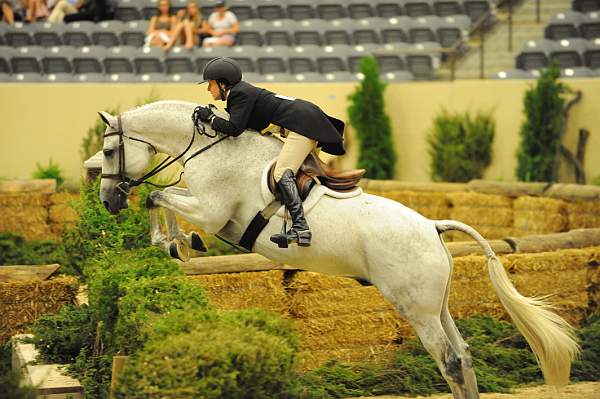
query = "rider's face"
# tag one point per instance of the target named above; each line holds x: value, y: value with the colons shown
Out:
x: 213, y: 88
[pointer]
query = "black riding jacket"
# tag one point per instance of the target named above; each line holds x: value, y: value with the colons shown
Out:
x: 251, y: 107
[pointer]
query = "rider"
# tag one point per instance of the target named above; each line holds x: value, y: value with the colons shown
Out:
x: 251, y: 107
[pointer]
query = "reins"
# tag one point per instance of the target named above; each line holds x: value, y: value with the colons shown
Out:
x: 126, y: 183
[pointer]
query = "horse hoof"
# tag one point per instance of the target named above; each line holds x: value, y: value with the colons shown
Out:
x: 179, y: 251
x: 197, y: 243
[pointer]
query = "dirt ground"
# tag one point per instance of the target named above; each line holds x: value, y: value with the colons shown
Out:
x: 581, y: 390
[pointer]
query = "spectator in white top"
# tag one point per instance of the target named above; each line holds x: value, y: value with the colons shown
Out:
x: 223, y: 25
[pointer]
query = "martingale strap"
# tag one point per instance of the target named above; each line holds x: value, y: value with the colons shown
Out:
x: 258, y: 224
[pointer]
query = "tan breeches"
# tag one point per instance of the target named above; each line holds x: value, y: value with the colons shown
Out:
x: 295, y: 150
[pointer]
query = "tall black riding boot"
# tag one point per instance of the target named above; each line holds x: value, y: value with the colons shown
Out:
x: 299, y: 232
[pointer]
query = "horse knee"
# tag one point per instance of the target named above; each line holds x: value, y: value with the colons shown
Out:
x: 151, y: 199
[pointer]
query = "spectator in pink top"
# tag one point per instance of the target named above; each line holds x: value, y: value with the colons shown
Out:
x: 222, y: 27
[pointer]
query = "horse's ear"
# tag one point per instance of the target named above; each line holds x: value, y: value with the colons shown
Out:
x: 107, y: 118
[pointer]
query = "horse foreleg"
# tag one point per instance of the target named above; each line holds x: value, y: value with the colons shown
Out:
x: 193, y: 239
x: 156, y: 235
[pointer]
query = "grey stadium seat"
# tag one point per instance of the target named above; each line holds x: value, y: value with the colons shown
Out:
x: 249, y: 37
x: 27, y: 59
x: 389, y: 9
x: 365, y: 36
x: 452, y: 29
x: 299, y: 64
x: 586, y: 5
x: 423, y: 60
x: 242, y: 12
x: 300, y: 10
x: 5, y: 55
x: 76, y: 33
x: 591, y: 55
x: 55, y: 61
x: 246, y: 63
x: 149, y: 61
x: 183, y: 78
x: 390, y: 63
x: 271, y: 65
x: 331, y: 63
x: 118, y: 60
x: 122, y: 78
x: 89, y: 78
x: 278, y: 38
x: 444, y: 8
x: 398, y: 76
x: 47, y: 34
x: 269, y: 10
x: 179, y: 64
x: 26, y: 77
x: 153, y: 78
x: 358, y: 9
x: 423, y: 29
x: 18, y: 35
x: 535, y: 54
x: 564, y: 25
x: 338, y: 36
x: 577, y: 72
x: 418, y: 8
x: 306, y: 36
x: 88, y: 59
x: 58, y: 78
x: 568, y: 52
x: 329, y: 10
x: 476, y: 9
x: 278, y: 77
x: 590, y: 26
x: 129, y: 10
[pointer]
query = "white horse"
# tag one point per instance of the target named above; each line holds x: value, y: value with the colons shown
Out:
x: 398, y: 250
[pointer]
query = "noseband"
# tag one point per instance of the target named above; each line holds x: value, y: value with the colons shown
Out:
x: 125, y: 183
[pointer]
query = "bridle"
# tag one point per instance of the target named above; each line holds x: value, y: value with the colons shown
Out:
x: 125, y: 183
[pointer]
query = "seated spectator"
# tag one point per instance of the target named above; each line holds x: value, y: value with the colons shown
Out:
x: 36, y: 10
x: 7, y: 14
x: 223, y: 25
x: 191, y: 29
x: 78, y: 10
x: 162, y: 26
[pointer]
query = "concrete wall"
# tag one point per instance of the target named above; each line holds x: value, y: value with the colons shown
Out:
x: 43, y: 121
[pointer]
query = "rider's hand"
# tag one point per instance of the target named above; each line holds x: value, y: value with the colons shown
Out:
x: 205, y: 114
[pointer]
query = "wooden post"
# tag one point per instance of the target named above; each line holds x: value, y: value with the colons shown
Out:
x: 117, y: 369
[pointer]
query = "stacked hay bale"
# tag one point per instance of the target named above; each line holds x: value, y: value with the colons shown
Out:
x: 21, y: 303
x: 245, y: 290
x: 433, y: 205
x: 565, y: 275
x: 491, y: 215
x: 583, y: 214
x: 340, y: 319
x: 536, y: 215
x: 25, y: 214
x: 61, y: 214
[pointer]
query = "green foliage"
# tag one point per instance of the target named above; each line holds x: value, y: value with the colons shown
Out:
x: 50, y: 171
x: 97, y: 231
x: 496, y: 347
x: 460, y: 146
x: 14, y: 250
x: 93, y: 372
x: 146, y: 297
x: 210, y: 362
x: 60, y: 337
x: 372, y: 125
x: 540, y: 132
x: 596, y: 181
x: 587, y: 367
x: 9, y: 380
x: 94, y: 138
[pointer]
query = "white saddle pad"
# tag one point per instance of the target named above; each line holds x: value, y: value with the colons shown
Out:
x: 313, y: 197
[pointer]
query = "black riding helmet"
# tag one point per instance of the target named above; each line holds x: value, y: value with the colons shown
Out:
x: 222, y: 69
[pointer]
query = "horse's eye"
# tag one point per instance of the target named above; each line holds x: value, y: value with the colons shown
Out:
x: 108, y: 152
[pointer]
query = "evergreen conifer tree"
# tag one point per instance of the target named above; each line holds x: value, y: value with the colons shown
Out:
x: 371, y: 123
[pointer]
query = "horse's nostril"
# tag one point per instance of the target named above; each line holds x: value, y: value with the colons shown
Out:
x: 105, y: 203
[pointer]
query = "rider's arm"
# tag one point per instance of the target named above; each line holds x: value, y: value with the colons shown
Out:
x: 240, y: 108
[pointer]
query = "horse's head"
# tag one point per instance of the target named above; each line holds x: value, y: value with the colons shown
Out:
x: 125, y: 158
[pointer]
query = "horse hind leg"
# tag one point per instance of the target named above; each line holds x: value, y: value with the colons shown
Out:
x: 448, y: 360
x: 457, y: 340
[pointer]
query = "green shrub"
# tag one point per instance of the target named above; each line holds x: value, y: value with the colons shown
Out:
x: 460, y: 146
x: 540, y: 132
x: 98, y: 232
x: 50, y: 171
x: 211, y: 362
x: 148, y: 297
x: 596, y: 181
x: 15, y: 250
x: 94, y: 373
x: 60, y: 337
x: 372, y: 125
x: 587, y: 367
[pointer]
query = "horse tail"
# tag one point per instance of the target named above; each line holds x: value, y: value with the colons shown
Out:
x: 551, y: 338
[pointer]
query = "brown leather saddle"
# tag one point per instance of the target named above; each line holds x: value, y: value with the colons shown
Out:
x: 314, y: 171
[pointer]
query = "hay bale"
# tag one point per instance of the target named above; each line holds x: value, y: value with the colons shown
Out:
x: 62, y: 213
x: 583, y: 214
x: 491, y: 215
x: 364, y: 354
x: 353, y: 330
x: 29, y: 221
x: 262, y: 290
x: 396, y: 185
x: 28, y: 186
x: 311, y: 282
x: 63, y: 198
x: 21, y: 303
x: 430, y: 204
x: 338, y: 302
x: 19, y: 200
x: 509, y: 189
x: 535, y: 215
